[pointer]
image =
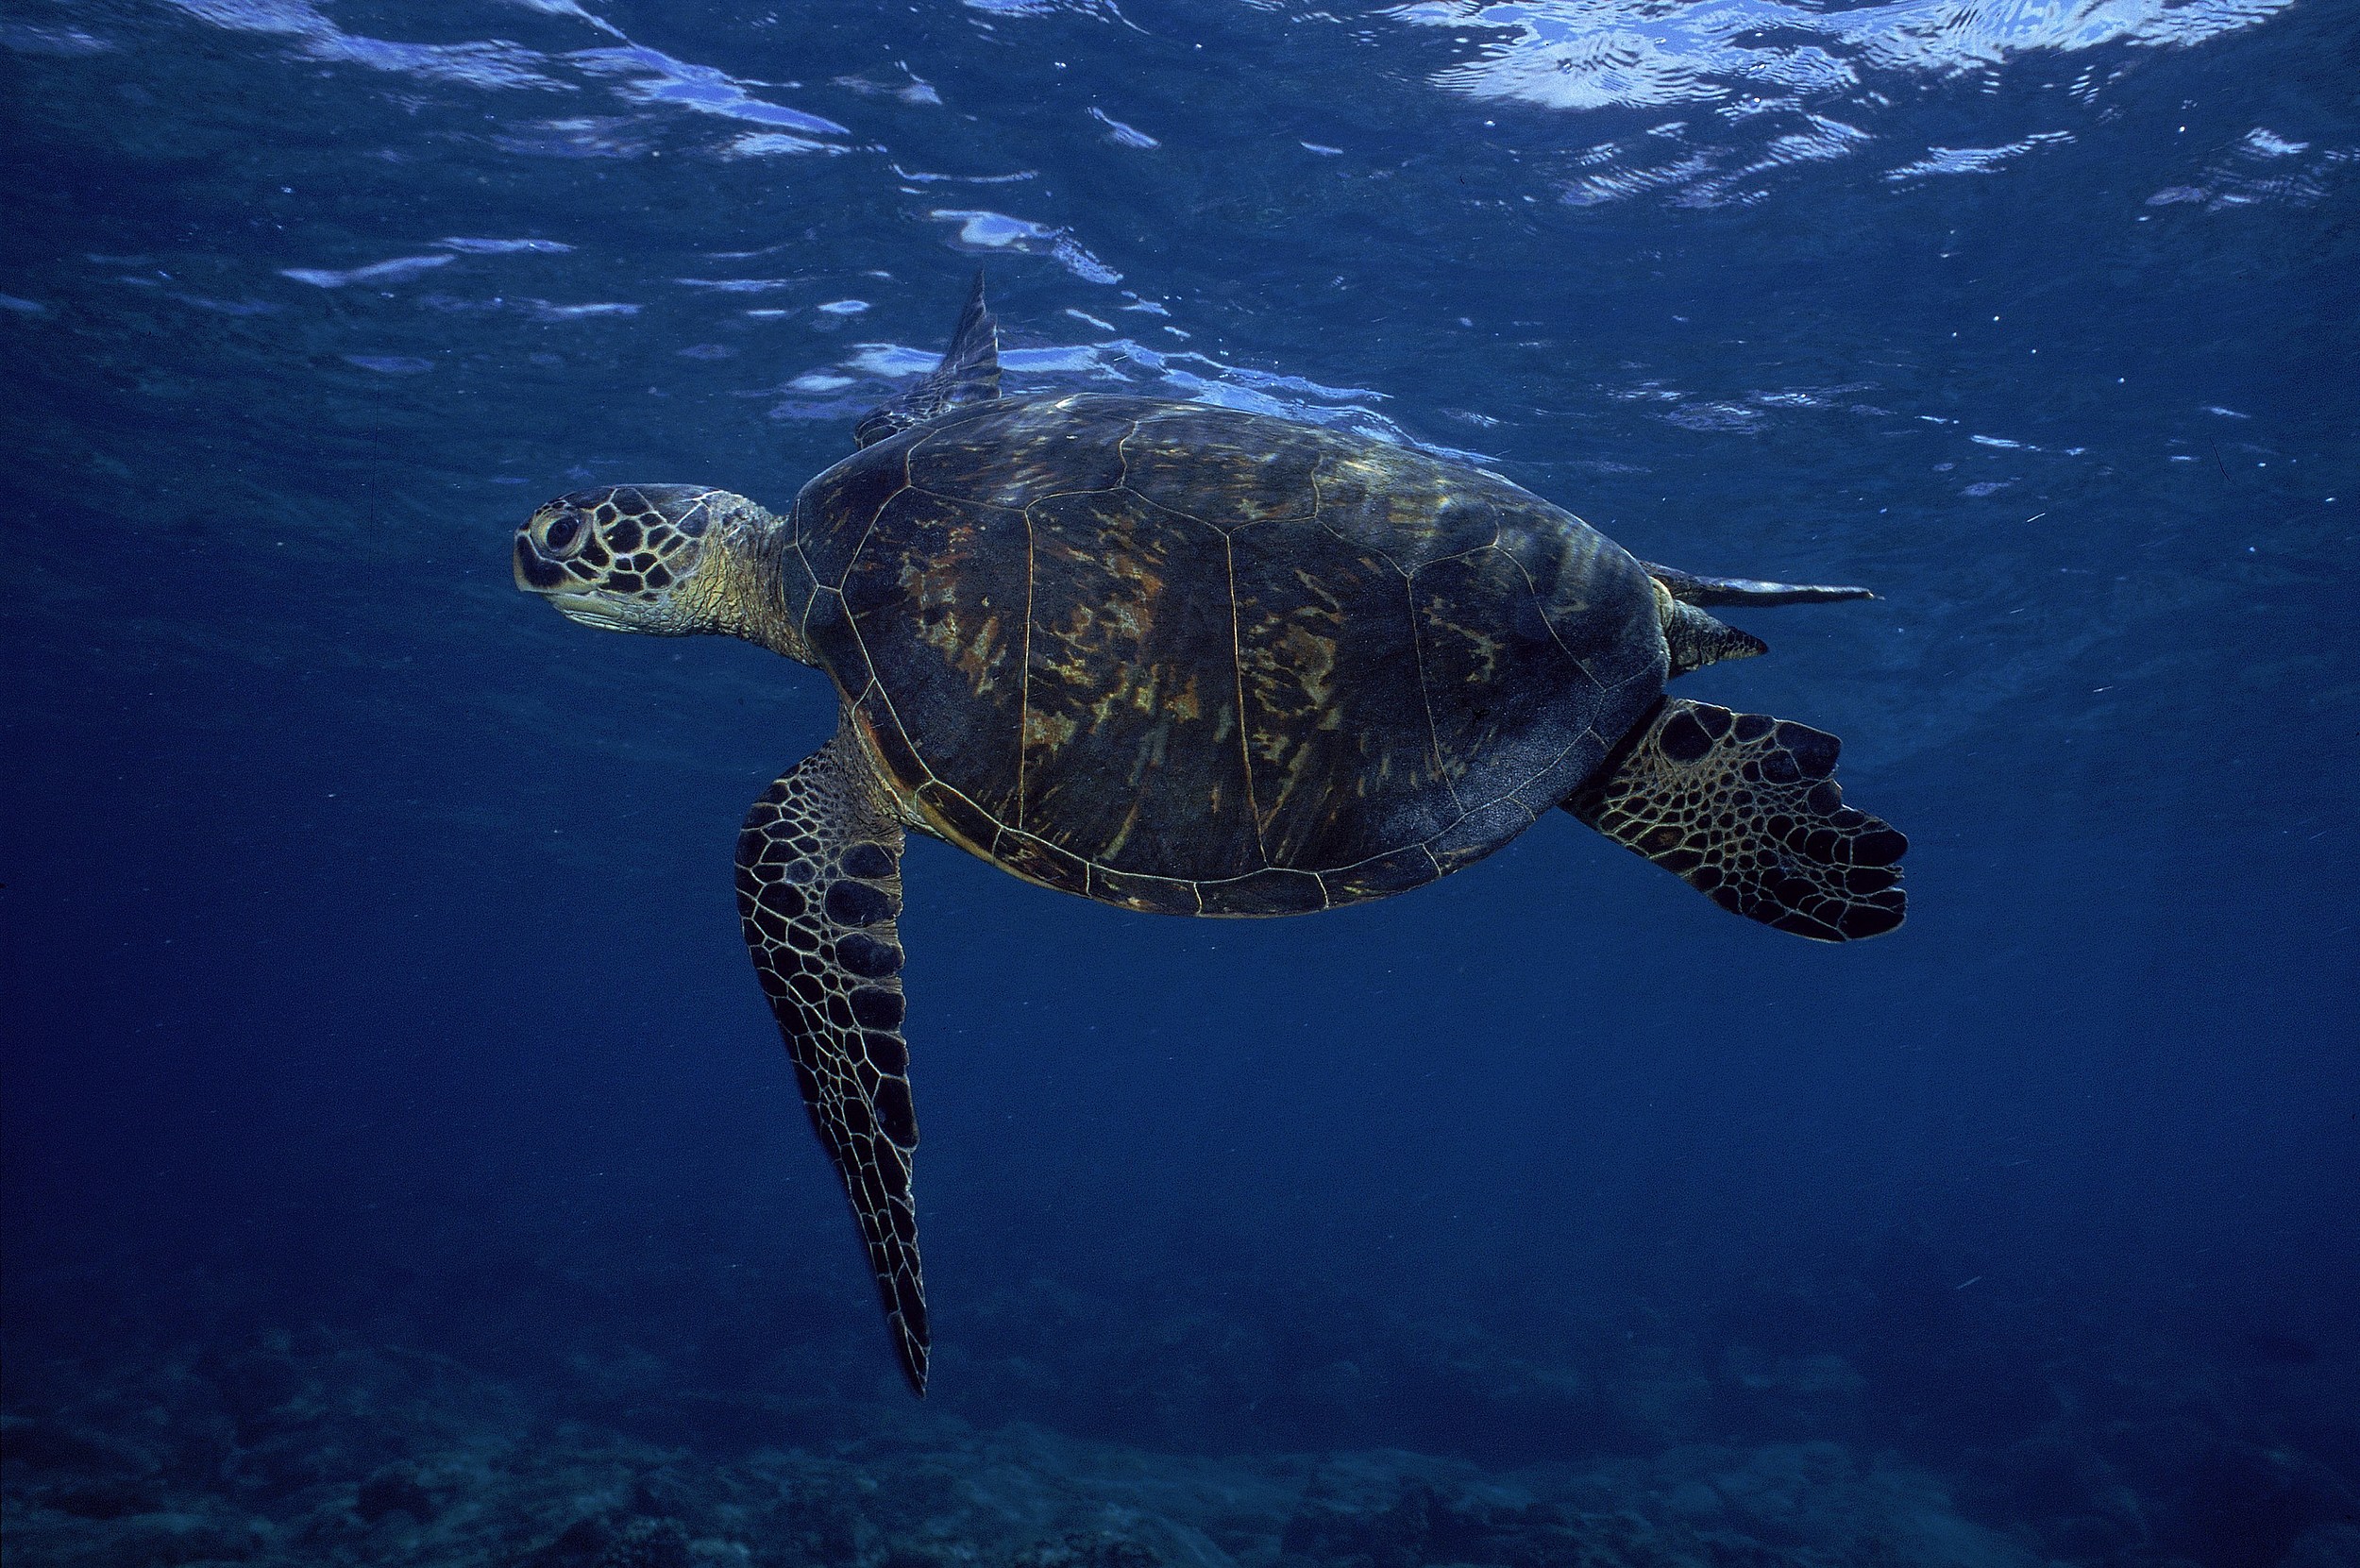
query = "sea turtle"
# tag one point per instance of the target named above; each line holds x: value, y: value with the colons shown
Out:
x: 1185, y: 659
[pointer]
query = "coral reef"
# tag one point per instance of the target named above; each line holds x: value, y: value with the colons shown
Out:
x: 311, y: 1448
x: 317, y: 1447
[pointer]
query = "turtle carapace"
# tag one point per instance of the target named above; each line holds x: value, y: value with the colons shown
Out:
x: 1184, y: 659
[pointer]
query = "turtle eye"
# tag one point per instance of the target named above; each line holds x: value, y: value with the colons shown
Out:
x: 563, y: 533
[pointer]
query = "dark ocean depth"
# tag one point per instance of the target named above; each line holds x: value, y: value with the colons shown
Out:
x: 401, y: 1165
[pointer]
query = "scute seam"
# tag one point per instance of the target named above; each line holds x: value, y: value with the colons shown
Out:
x: 1589, y: 736
x: 1534, y: 589
x: 1024, y: 673
x: 1236, y: 672
x: 853, y: 560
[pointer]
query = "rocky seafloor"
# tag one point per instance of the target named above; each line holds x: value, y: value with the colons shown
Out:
x: 317, y: 1446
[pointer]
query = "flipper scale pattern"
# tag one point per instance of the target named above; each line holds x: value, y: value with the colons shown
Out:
x: 819, y: 888
x: 1745, y: 809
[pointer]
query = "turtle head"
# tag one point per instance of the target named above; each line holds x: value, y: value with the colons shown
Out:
x: 668, y: 559
x: 628, y: 558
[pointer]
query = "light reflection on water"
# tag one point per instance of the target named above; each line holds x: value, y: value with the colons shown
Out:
x: 1768, y: 84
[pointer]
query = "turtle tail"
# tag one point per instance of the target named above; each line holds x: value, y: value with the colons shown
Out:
x: 1745, y: 809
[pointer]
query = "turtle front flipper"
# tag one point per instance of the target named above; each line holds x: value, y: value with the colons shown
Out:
x: 1746, y: 810
x: 818, y: 886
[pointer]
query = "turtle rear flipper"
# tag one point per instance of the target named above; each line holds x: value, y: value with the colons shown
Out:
x: 1745, y: 809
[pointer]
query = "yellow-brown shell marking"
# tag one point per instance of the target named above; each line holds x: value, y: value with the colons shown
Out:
x: 1187, y: 659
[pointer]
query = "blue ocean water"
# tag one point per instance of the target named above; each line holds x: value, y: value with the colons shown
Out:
x: 400, y: 1164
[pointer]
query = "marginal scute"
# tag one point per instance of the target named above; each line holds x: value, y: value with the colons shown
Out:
x: 1037, y: 860
x: 1147, y: 895
x: 1482, y: 830
x: 881, y: 726
x: 1271, y: 892
x: 1377, y: 878
x: 835, y: 641
x: 959, y: 817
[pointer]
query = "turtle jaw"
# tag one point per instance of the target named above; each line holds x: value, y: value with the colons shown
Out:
x: 609, y: 614
x: 589, y: 610
x: 547, y: 580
